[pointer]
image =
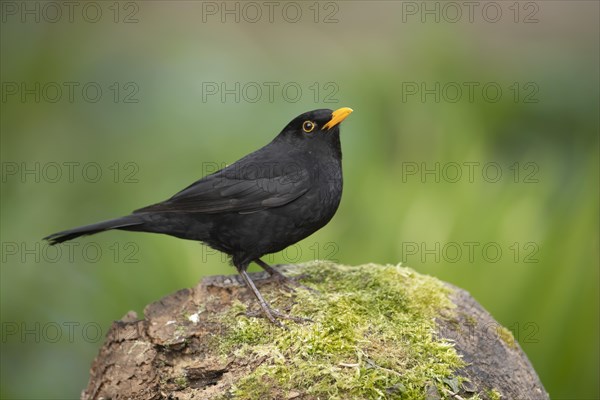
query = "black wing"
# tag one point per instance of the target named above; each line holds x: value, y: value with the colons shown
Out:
x: 227, y: 191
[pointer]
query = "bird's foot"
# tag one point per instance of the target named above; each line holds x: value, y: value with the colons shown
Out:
x: 271, y: 313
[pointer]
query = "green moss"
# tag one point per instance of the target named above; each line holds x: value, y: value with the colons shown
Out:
x: 506, y: 336
x: 494, y: 394
x: 372, y: 335
x: 470, y: 320
x: 181, y: 382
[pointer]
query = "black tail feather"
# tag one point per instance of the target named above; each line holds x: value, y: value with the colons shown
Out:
x: 117, y: 223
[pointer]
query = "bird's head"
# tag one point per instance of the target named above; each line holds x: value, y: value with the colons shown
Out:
x: 317, y: 126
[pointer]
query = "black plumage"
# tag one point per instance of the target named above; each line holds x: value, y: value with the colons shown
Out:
x: 261, y: 204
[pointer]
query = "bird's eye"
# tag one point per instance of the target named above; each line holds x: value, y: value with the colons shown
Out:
x: 308, y: 126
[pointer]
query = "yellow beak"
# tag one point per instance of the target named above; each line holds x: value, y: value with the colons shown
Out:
x: 338, y: 116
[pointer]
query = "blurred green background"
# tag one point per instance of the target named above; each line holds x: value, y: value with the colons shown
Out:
x: 157, y: 126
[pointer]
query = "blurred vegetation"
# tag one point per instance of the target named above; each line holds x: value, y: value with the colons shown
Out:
x: 544, y: 288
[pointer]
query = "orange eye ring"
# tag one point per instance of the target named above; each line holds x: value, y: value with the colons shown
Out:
x: 308, y: 126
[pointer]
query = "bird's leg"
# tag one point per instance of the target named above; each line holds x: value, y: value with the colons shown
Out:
x: 278, y: 276
x: 267, y: 310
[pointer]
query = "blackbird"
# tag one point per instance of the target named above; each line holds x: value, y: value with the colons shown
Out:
x: 261, y: 204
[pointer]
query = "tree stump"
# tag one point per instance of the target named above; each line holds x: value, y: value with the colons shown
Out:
x: 375, y: 332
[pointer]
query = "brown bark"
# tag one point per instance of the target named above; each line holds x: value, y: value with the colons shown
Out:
x: 170, y: 353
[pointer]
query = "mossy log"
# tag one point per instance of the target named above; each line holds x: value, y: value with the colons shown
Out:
x: 375, y: 332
